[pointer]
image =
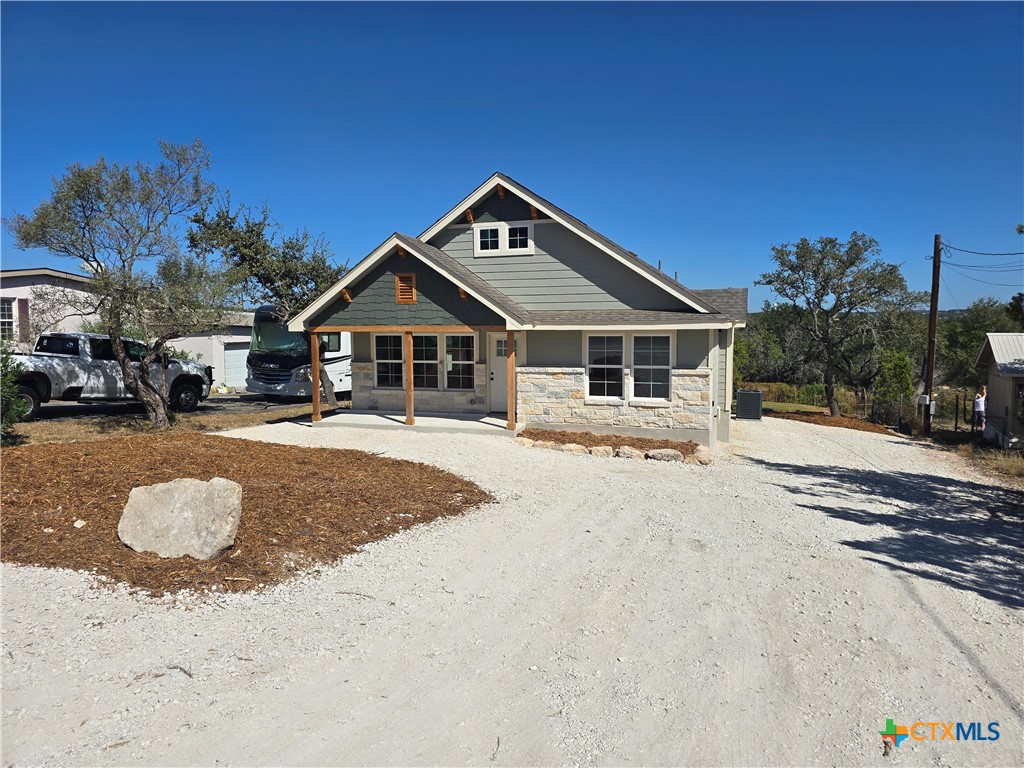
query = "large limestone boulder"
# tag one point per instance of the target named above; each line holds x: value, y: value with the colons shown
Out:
x: 664, y: 454
x: 182, y: 517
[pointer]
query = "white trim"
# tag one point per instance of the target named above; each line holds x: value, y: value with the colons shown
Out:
x: 503, y: 238
x: 620, y: 327
x: 298, y: 323
x: 492, y: 183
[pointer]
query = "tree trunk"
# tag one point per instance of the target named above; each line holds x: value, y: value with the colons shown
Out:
x: 140, y: 385
x: 328, y: 385
x: 830, y: 390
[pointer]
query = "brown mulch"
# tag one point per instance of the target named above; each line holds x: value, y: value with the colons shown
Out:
x: 300, y: 506
x: 825, y: 420
x: 592, y: 440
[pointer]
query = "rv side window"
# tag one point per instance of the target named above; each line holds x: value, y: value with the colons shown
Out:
x: 333, y: 341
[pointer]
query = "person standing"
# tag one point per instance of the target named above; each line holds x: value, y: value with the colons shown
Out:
x: 979, y: 409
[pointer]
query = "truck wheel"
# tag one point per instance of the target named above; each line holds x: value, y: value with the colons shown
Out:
x: 30, y: 397
x: 185, y: 398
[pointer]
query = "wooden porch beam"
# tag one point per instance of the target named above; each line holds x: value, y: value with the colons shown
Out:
x: 314, y: 374
x: 510, y: 362
x: 410, y: 417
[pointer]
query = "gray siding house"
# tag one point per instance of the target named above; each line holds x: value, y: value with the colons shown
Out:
x: 508, y: 304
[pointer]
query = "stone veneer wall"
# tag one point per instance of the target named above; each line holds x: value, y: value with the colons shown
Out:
x: 556, y: 396
x: 366, y: 397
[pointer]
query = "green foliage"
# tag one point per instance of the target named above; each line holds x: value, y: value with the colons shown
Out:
x: 121, y: 223
x: 849, y: 302
x: 289, y: 271
x: 960, y: 340
x: 896, y: 377
x: 1015, y: 309
x: 11, y: 407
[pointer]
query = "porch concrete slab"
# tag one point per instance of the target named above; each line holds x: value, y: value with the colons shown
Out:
x: 434, y: 422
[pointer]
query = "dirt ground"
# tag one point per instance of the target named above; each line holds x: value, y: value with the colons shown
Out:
x: 300, y: 506
x: 774, y: 608
x: 827, y: 420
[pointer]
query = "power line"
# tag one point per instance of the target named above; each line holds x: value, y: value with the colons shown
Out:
x: 983, y: 253
x: 949, y: 293
x: 986, y: 282
x: 992, y: 268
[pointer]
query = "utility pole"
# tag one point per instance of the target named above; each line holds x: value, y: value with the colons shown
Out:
x: 933, y: 321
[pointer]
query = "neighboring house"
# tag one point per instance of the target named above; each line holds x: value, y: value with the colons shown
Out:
x: 509, y: 304
x: 34, y: 300
x: 1003, y: 355
x: 226, y: 350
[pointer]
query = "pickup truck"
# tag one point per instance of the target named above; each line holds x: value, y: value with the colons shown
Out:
x: 81, y: 367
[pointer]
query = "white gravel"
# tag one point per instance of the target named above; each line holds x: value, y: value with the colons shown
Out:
x: 771, y: 609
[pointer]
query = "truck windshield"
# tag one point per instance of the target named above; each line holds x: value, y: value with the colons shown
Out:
x: 269, y: 336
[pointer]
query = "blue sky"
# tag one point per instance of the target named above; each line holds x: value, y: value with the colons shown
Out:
x: 694, y: 134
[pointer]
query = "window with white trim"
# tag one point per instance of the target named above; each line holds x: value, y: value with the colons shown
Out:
x: 7, y: 319
x: 651, y: 367
x: 605, y: 366
x: 503, y: 238
x: 424, y: 362
x: 387, y: 357
x: 459, y: 359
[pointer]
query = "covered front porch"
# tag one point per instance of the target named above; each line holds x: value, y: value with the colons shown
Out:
x: 467, y: 423
x: 490, y: 365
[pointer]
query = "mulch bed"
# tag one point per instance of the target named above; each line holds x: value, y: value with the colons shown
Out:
x: 300, y: 506
x: 833, y: 421
x: 592, y: 440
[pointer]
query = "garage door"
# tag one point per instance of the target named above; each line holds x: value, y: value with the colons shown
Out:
x: 234, y: 364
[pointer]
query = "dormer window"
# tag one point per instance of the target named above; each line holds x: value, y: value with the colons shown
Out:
x: 503, y: 238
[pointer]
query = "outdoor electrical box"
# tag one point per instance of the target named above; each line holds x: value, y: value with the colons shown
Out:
x: 748, y: 403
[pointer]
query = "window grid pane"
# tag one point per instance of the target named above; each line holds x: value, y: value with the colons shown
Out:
x: 424, y: 375
x: 7, y: 309
x: 460, y: 376
x: 489, y: 239
x: 460, y: 348
x: 424, y: 348
x: 389, y: 362
x: 518, y: 237
x: 651, y: 375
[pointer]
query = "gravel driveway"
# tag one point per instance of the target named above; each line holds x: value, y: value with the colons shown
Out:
x: 773, y: 608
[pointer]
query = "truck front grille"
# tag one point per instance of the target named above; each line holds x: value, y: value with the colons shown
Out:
x: 271, y: 376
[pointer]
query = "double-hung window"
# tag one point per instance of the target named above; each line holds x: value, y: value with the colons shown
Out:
x: 7, y: 319
x: 604, y: 366
x: 424, y: 362
x: 651, y: 367
x: 459, y: 358
x: 503, y: 238
x: 388, y: 361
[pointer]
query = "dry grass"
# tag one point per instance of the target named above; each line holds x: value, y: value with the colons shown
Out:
x: 300, y: 506
x: 593, y: 440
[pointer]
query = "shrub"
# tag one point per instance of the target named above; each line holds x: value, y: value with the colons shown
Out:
x: 12, y: 407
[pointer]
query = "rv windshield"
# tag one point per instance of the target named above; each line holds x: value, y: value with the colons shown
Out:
x: 269, y: 336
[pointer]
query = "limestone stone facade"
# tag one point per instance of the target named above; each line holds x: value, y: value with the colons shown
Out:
x: 557, y: 396
x: 366, y: 397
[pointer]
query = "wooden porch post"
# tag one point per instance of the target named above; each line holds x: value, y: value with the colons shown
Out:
x: 510, y: 361
x: 410, y: 417
x: 314, y: 353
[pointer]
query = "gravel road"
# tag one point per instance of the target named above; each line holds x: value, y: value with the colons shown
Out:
x: 771, y: 609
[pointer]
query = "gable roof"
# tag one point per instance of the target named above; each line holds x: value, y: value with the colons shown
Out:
x: 731, y: 302
x: 569, y: 221
x: 1007, y: 351
x: 433, y: 257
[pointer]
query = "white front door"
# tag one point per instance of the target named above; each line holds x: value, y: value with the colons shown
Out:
x: 497, y: 372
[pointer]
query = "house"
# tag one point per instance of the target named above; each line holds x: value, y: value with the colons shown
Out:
x: 226, y: 349
x: 1003, y: 355
x: 33, y: 301
x: 36, y: 300
x: 508, y: 304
